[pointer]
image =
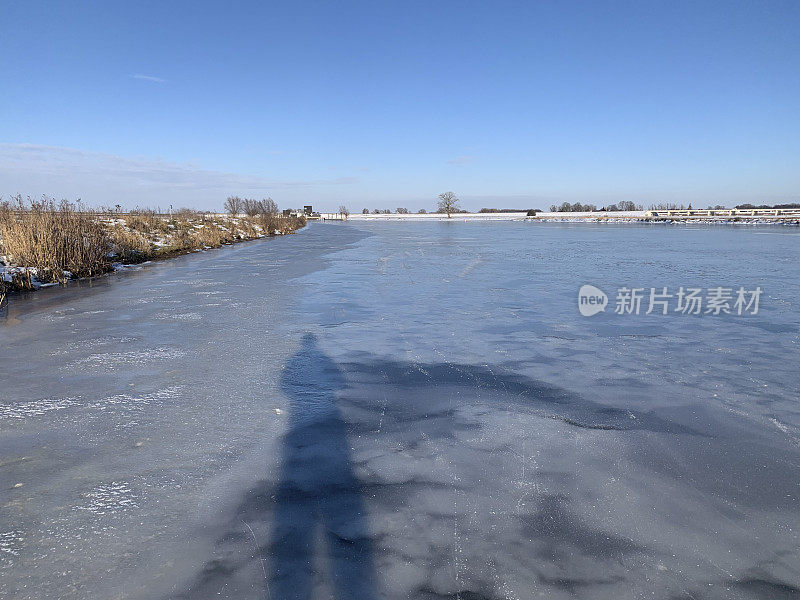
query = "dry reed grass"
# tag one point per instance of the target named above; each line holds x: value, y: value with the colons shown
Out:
x: 54, y: 237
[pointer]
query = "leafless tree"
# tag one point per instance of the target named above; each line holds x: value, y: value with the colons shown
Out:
x: 184, y: 212
x: 233, y: 205
x: 251, y: 207
x: 668, y: 206
x: 269, y: 206
x: 402, y: 211
x: 364, y: 211
x: 343, y: 211
x: 448, y: 203
x: 422, y: 211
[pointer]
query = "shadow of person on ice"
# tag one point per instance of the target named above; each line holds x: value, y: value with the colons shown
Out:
x: 301, y: 531
x: 317, y: 490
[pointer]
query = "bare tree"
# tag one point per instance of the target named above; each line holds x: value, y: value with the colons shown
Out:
x: 422, y: 211
x: 402, y: 211
x: 233, y: 205
x: 364, y: 211
x: 269, y: 206
x: 668, y: 206
x: 251, y: 207
x: 448, y: 203
x: 184, y: 212
x: 343, y: 211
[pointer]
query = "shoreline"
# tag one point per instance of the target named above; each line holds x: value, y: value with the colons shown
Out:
x: 625, y: 217
x: 116, y: 268
x: 133, y: 239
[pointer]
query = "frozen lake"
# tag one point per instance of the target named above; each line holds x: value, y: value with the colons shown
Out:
x: 408, y: 410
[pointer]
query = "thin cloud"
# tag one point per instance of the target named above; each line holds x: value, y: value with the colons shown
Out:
x: 149, y: 78
x: 460, y: 160
x: 67, y: 171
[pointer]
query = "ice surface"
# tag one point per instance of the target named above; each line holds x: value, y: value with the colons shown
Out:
x: 407, y: 410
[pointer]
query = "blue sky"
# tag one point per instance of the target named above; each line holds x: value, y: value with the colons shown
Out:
x: 386, y: 104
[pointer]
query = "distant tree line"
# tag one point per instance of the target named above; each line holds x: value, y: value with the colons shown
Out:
x: 625, y: 205
x: 386, y: 211
x: 673, y: 206
x: 448, y: 204
x: 668, y: 206
x: 509, y: 210
x: 576, y: 207
x: 749, y: 206
x: 250, y: 207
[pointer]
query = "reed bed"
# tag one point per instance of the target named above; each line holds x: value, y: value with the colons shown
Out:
x: 58, y: 240
x: 44, y: 241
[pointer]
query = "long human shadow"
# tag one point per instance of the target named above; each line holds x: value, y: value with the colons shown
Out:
x: 317, y: 491
x: 274, y: 530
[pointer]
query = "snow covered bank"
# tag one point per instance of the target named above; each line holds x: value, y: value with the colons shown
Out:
x: 44, y: 244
